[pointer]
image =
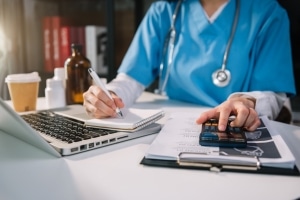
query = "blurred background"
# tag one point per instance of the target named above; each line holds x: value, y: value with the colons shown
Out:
x: 22, y: 25
x: 22, y: 29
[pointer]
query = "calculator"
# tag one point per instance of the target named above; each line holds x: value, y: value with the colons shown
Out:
x: 231, y: 137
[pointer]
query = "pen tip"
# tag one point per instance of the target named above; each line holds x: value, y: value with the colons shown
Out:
x: 119, y: 113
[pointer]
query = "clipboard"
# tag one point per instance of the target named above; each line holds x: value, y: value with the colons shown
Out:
x: 177, y: 146
x: 221, y: 167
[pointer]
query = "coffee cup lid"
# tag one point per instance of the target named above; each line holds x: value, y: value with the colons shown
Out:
x: 23, y: 78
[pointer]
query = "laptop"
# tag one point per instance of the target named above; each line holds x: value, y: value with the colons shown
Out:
x: 61, y: 132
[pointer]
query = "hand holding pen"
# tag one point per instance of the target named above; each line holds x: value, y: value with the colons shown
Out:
x: 91, y: 94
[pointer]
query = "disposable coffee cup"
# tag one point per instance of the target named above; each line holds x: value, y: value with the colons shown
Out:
x: 23, y: 90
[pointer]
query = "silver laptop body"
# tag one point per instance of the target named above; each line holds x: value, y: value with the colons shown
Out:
x: 38, y: 134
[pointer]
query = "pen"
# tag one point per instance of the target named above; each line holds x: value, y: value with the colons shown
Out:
x: 102, y: 86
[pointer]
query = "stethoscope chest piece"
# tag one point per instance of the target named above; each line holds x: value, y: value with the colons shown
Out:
x: 221, y: 77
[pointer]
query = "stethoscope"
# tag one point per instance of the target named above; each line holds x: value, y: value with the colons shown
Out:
x: 220, y: 77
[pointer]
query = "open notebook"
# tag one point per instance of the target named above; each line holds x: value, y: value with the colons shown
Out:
x: 133, y: 119
x: 63, y: 131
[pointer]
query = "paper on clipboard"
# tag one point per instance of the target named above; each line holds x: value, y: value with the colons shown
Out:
x: 181, y: 134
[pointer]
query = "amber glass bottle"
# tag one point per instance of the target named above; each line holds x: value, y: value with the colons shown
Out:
x: 77, y: 76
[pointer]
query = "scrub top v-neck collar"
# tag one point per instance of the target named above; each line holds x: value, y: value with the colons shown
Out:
x: 200, y: 17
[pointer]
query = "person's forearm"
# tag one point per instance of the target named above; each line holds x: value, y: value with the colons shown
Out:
x: 126, y: 88
x: 266, y: 103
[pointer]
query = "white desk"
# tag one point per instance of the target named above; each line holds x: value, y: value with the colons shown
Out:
x: 114, y: 172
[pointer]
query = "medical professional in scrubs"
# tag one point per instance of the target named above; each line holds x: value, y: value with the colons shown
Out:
x: 259, y: 60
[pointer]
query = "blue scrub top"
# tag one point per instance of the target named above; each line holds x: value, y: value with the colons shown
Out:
x: 259, y: 58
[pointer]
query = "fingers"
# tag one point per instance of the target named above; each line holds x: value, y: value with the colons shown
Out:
x: 225, y: 112
x: 99, y: 105
x: 96, y: 103
x: 244, y: 116
x: 117, y: 101
x: 252, y: 121
x: 221, y: 112
x: 207, y: 115
x: 247, y: 118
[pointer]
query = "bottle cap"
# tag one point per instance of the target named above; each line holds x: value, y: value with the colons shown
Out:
x: 54, y: 83
x: 59, y: 73
x: 76, y: 46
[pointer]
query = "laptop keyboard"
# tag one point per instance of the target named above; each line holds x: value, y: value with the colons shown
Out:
x: 62, y: 128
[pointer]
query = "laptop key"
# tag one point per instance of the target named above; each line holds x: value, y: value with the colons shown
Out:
x: 93, y: 134
x: 86, y: 137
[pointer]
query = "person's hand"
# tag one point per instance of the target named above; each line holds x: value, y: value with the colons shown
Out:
x: 239, y: 106
x: 98, y: 105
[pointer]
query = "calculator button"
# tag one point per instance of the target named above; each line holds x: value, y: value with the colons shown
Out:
x: 237, y: 130
x: 213, y: 128
x: 206, y: 128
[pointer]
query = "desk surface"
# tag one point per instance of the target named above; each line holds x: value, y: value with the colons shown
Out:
x: 114, y: 172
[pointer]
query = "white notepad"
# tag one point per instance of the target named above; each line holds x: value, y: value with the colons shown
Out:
x: 133, y: 119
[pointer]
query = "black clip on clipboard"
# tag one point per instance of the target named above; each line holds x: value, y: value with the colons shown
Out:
x: 219, y: 166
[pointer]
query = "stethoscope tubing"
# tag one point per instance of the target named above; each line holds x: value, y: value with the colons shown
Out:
x: 233, y: 30
x: 169, y: 44
x: 221, y: 77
